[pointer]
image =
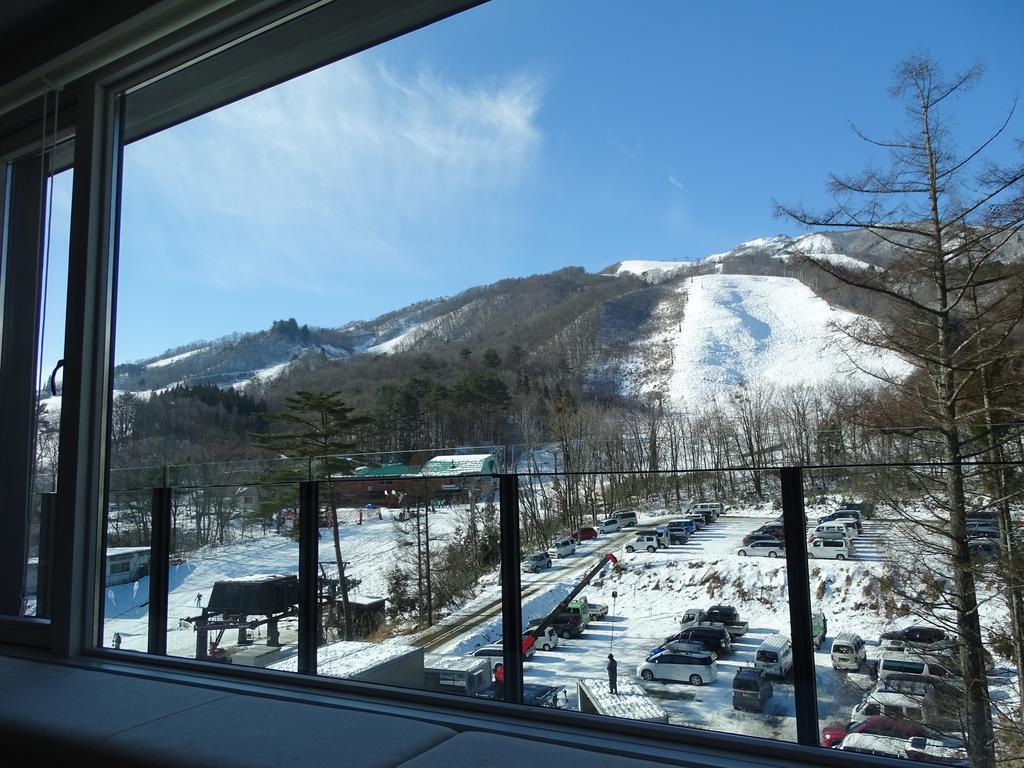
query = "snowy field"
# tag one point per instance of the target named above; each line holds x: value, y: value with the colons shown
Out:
x: 653, y: 591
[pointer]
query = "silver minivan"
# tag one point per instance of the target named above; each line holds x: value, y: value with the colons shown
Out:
x: 696, y: 668
x: 848, y: 651
x: 830, y: 549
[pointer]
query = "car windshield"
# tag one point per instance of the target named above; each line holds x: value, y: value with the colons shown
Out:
x: 842, y: 649
x: 745, y: 683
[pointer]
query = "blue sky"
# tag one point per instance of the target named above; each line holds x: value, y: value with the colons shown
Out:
x: 518, y: 138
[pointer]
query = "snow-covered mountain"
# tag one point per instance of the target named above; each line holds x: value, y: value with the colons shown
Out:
x: 685, y: 328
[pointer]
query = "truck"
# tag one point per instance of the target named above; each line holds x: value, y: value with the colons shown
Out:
x: 715, y: 616
x: 596, y: 610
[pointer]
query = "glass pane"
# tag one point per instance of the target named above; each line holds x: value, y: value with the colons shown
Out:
x: 917, y: 612
x: 126, y: 568
x: 654, y: 606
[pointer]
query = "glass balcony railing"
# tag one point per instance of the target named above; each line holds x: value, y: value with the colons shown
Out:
x: 812, y: 607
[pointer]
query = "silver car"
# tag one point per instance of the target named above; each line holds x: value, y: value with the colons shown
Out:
x: 696, y: 668
x: 767, y: 548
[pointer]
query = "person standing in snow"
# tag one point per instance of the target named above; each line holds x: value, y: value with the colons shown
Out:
x: 613, y: 674
x: 199, y: 600
x: 117, y: 639
x: 499, y: 682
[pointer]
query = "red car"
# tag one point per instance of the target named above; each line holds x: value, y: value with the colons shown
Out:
x: 877, y: 725
x: 584, y: 534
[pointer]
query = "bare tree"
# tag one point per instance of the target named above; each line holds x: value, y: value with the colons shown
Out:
x: 946, y: 214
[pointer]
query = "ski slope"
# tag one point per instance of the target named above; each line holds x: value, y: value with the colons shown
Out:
x: 746, y: 329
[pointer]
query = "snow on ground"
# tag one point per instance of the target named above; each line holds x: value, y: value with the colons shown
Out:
x: 647, y: 594
x: 820, y: 248
x: 738, y: 329
x: 263, y: 375
x: 175, y: 358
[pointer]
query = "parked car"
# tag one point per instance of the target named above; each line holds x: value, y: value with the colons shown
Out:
x: 870, y: 744
x: 678, y: 646
x: 661, y: 536
x: 546, y: 640
x: 536, y: 695
x: 913, y: 700
x: 584, y: 534
x: 566, y: 625
x: 577, y: 608
x: 688, y: 525
x: 625, y: 517
x: 694, y: 668
x: 611, y: 525
x: 646, y: 541
x: 911, y: 665
x: 750, y: 538
x: 982, y: 530
x: 564, y: 548
x: 775, y: 656
x: 713, y: 639
x: 982, y: 549
x: 767, y: 548
x: 697, y: 519
x: 839, y: 513
x: 927, y: 750
x: 536, y: 562
x: 848, y: 651
x: 819, y: 628
x: 678, y: 535
x: 833, y: 530
x: 597, y: 610
x: 878, y: 725
x: 830, y: 549
x: 775, y: 529
x: 750, y: 689
x: 917, y: 635
x: 495, y: 652
x: 721, y: 615
x: 716, y: 508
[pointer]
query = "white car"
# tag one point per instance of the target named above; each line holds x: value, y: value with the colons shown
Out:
x: 612, y: 525
x: 648, y: 541
x: 830, y: 549
x: 694, y: 668
x: 564, y: 548
x: 762, y: 549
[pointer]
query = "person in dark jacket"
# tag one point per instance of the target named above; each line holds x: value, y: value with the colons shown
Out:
x: 613, y: 674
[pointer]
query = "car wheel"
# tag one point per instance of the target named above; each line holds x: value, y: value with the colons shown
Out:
x: 840, y: 557
x: 651, y: 549
x: 647, y: 674
x: 630, y: 549
x: 696, y: 680
x: 772, y: 554
x: 742, y: 553
x: 714, y: 655
x: 565, y: 634
x: 546, y: 647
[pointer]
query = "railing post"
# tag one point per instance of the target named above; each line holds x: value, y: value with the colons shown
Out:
x: 47, y: 519
x: 309, y: 547
x: 511, y: 610
x: 798, y: 581
x: 159, y: 567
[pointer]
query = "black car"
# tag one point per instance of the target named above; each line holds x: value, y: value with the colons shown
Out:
x: 566, y: 625
x: 750, y: 689
x: 713, y: 639
x: 917, y: 634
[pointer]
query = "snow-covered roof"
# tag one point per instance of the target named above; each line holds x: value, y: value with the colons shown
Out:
x: 350, y: 658
x: 126, y: 550
x: 455, y: 663
x: 461, y: 464
x: 631, y: 701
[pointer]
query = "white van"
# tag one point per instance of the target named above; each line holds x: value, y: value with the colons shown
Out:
x: 833, y: 530
x: 907, y: 700
x: 775, y: 656
x: 564, y: 548
x: 907, y: 665
x: 714, y: 507
x: 848, y: 651
x: 830, y: 549
x: 625, y: 518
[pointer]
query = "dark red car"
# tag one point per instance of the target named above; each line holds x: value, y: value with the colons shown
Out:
x: 877, y: 725
x: 750, y: 538
x: 583, y: 534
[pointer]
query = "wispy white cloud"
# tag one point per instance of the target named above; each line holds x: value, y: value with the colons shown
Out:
x: 676, y: 182
x: 336, y: 171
